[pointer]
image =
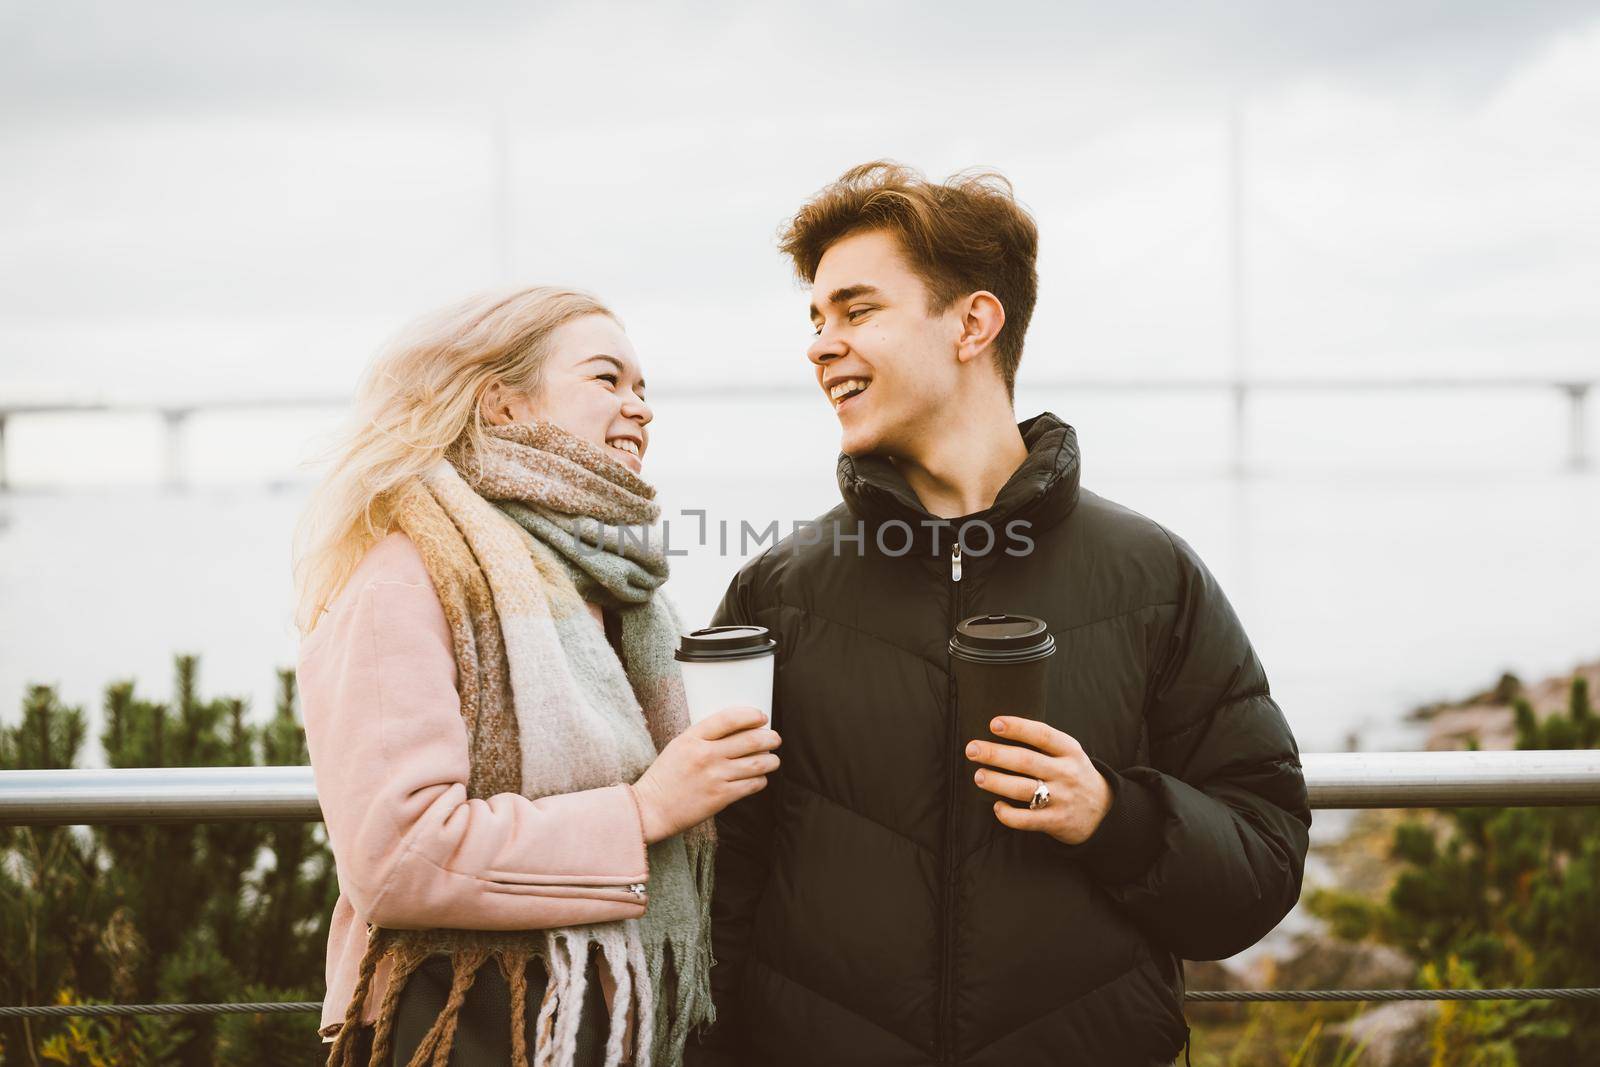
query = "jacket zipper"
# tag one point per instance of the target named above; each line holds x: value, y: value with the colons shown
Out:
x: 638, y: 889
x: 947, y: 971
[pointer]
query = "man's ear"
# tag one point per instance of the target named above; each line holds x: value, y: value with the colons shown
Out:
x: 982, y: 316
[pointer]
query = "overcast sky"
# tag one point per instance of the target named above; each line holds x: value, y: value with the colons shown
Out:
x: 215, y: 198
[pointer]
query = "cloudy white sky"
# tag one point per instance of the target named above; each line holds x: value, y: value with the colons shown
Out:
x: 216, y: 198
x: 224, y: 198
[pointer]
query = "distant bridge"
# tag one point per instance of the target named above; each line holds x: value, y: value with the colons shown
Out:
x: 176, y: 414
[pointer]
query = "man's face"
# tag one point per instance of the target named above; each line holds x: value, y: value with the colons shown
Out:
x: 873, y: 325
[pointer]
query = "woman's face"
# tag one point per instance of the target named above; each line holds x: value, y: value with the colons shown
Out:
x: 592, y: 388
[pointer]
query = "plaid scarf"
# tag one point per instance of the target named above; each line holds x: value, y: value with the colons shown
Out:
x: 516, y: 538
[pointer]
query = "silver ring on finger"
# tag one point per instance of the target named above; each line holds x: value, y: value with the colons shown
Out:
x: 1041, y: 796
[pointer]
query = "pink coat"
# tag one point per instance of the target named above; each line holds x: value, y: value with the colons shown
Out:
x: 389, y: 754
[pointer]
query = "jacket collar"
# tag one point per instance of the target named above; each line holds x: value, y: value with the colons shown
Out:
x: 1043, y: 490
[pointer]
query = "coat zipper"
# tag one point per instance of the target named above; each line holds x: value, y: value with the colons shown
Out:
x: 638, y: 889
x: 948, y: 927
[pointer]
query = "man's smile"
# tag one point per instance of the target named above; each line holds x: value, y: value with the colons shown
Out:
x: 843, y: 391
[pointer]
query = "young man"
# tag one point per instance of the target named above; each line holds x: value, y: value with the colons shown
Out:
x: 862, y: 914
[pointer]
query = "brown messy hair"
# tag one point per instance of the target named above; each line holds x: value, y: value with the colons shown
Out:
x: 962, y: 236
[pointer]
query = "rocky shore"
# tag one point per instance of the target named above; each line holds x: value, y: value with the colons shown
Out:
x: 1487, y: 717
x: 1359, y: 861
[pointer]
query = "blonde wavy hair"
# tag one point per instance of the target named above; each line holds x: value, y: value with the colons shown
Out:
x: 420, y: 398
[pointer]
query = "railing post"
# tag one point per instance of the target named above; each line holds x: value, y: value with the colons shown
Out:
x: 1241, y: 437
x: 175, y: 419
x: 1577, y: 432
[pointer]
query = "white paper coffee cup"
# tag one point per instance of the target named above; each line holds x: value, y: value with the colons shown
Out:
x: 724, y: 666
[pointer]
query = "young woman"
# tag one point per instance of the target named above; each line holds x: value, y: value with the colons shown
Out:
x: 517, y: 805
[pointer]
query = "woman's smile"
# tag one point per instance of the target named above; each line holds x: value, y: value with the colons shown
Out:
x: 627, y: 450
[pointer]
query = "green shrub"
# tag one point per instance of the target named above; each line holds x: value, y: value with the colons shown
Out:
x: 138, y: 914
x: 1499, y: 898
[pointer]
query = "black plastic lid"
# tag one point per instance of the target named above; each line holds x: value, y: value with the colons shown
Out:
x: 1002, y: 639
x: 725, y: 642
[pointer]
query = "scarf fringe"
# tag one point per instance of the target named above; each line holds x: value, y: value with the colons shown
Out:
x: 644, y: 1051
x: 435, y: 1044
x: 514, y: 968
x: 406, y: 963
x: 343, y: 1052
x: 660, y: 1030
x: 569, y: 978
x: 614, y: 950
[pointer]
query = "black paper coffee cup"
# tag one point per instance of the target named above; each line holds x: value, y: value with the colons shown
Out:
x: 1002, y: 667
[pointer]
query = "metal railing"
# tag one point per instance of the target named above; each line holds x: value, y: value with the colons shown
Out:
x: 1333, y: 780
x: 176, y: 414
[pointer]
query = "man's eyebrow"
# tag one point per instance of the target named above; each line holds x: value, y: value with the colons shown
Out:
x: 841, y: 296
x: 615, y: 362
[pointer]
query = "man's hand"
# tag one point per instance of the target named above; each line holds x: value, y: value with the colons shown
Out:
x: 1079, y: 795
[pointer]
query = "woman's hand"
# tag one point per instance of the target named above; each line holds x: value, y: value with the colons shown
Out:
x: 722, y: 758
x: 1079, y: 795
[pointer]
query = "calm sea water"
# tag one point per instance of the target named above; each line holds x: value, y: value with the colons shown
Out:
x: 1380, y: 559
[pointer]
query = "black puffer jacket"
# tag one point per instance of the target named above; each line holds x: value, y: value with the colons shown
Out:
x: 856, y: 923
